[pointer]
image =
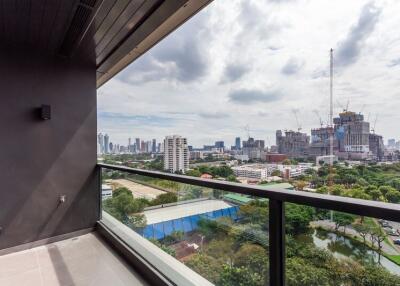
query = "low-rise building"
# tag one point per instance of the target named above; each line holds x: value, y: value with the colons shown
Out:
x: 251, y: 171
x: 106, y: 191
x: 321, y: 160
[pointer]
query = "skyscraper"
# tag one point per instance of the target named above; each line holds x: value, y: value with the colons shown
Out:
x: 106, y: 143
x: 154, y: 146
x: 237, y: 143
x: 137, y: 140
x: 176, y: 154
x: 100, y: 140
x: 219, y: 144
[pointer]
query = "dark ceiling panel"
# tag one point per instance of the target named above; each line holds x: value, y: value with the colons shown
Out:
x: 60, y: 27
x: 36, y: 18
x: 163, y: 12
x: 111, y: 32
x: 115, y: 11
x: 23, y: 10
x: 123, y: 27
x: 50, y: 14
x: 123, y: 18
x: 102, y: 13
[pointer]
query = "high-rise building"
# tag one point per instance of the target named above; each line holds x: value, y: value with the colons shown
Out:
x: 100, y: 140
x: 176, y: 154
x: 391, y: 143
x: 294, y: 144
x: 106, y: 144
x: 320, y: 142
x: 253, y: 148
x: 237, y: 143
x: 154, y: 146
x: 142, y: 146
x: 148, y: 147
x: 352, y: 134
x: 137, y: 142
x: 219, y: 144
x: 376, y: 146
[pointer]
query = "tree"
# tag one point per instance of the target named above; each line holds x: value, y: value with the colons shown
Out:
x: 379, y: 236
x: 193, y: 173
x: 385, y: 189
x: 137, y: 220
x: 298, y: 218
x: 374, y: 193
x: 323, y: 190
x: 222, y: 249
x: 363, y: 230
x: 253, y: 256
x: 232, y: 178
x: 240, y: 276
x: 163, y: 199
x: 300, y: 185
x: 342, y: 219
x: 337, y: 190
x: 393, y: 196
x: 276, y: 173
x: 207, y: 266
x: 300, y: 273
x: 122, y: 205
x: 254, y: 213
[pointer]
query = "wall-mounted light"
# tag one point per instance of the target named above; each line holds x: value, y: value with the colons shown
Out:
x: 45, y: 112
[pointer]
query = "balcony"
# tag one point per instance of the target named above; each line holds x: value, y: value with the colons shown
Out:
x: 154, y: 228
x: 225, y: 222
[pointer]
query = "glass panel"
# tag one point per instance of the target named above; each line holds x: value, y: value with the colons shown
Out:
x: 223, y: 241
x: 334, y: 248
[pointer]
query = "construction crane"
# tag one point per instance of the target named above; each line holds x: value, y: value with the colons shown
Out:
x: 345, y: 109
x: 373, y: 126
x: 330, y: 175
x: 362, y: 108
x: 295, y: 111
x: 319, y: 117
x: 247, y: 130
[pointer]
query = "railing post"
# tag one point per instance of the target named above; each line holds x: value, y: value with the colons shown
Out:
x: 276, y: 243
x: 99, y: 173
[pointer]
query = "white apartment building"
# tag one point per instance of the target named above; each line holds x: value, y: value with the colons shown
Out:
x: 251, y: 171
x: 176, y: 154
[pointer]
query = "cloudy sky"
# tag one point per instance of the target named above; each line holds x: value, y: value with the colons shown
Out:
x: 255, y: 63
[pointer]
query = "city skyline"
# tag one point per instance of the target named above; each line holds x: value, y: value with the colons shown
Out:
x: 210, y: 93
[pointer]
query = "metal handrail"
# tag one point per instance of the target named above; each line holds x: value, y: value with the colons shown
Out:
x: 360, y: 207
x: 277, y: 199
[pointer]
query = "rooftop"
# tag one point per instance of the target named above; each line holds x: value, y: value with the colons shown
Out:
x: 184, y: 210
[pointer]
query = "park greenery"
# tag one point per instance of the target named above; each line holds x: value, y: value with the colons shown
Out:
x: 127, y: 209
x: 369, y: 182
x: 237, y: 253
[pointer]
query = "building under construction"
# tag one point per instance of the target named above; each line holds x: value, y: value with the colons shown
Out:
x: 253, y: 148
x: 320, y: 142
x: 352, y: 134
x: 376, y: 147
x: 352, y: 139
x: 294, y: 144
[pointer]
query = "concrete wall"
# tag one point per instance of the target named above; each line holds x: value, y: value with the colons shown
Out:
x: 42, y: 160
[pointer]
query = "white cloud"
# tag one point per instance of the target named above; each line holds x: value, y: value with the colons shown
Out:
x: 242, y: 62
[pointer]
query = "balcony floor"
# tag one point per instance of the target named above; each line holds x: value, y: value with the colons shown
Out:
x: 81, y: 261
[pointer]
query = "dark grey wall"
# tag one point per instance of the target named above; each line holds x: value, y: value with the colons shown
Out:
x: 42, y: 160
